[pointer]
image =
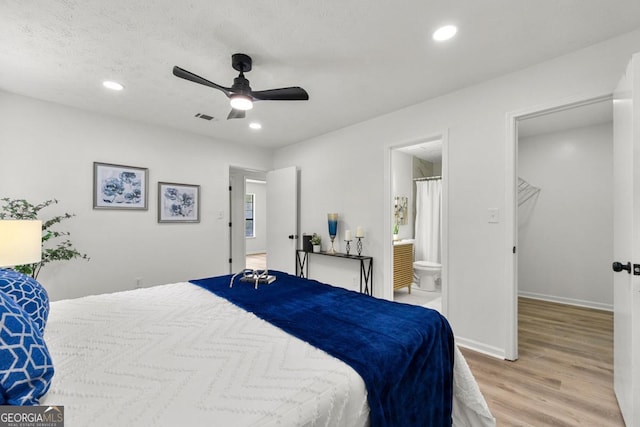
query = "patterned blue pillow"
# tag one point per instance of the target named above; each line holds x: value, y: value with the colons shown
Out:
x: 28, y: 293
x: 26, y: 368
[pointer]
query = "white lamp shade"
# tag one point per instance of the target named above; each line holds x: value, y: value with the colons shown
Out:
x: 20, y: 242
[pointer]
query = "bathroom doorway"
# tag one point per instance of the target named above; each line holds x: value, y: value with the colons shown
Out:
x: 418, y: 222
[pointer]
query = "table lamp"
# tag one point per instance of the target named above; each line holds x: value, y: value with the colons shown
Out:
x: 20, y: 242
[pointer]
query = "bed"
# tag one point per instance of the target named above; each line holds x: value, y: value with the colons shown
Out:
x: 184, y: 354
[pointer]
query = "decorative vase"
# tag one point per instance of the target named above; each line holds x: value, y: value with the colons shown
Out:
x: 333, y: 230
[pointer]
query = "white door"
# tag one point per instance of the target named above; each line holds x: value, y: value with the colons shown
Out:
x: 282, y: 219
x: 626, y: 237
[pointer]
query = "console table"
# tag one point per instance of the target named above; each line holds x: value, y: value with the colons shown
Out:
x: 366, y: 267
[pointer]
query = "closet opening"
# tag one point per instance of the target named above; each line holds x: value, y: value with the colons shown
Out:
x: 562, y: 207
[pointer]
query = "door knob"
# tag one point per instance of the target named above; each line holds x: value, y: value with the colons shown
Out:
x: 293, y: 236
x: 618, y: 266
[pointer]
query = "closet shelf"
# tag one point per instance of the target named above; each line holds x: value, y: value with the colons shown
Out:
x: 525, y: 191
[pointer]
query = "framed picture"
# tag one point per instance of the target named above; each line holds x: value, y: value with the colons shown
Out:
x: 178, y: 202
x: 119, y: 187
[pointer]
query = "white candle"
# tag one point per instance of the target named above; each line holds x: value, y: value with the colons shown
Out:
x: 359, y: 231
x: 347, y: 235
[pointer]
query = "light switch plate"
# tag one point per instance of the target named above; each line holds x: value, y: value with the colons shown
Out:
x: 494, y: 215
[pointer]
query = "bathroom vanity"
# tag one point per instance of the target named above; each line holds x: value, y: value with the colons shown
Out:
x: 402, y: 264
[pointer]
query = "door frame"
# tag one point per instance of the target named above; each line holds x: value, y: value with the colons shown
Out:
x: 388, y: 218
x: 511, y: 199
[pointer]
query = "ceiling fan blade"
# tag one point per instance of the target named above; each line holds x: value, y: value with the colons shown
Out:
x: 188, y: 75
x: 236, y: 114
x: 284, y: 94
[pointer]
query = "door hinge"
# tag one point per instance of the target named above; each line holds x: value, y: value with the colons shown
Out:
x: 229, y: 224
x: 514, y: 249
x: 229, y: 188
x: 230, y: 261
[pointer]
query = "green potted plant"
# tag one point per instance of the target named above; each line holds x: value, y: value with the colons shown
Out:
x: 316, y: 242
x: 51, y: 250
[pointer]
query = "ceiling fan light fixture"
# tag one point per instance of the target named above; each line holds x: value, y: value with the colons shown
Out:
x: 240, y: 95
x: 241, y: 102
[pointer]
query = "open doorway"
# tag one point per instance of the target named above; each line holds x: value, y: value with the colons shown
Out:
x: 248, y: 224
x: 255, y: 224
x: 418, y: 223
x: 562, y: 207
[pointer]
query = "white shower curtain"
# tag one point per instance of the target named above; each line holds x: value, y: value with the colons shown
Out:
x: 428, y: 220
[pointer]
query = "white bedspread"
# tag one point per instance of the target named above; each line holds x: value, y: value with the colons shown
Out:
x: 177, y: 355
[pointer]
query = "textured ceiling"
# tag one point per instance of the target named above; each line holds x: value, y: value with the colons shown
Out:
x: 357, y: 59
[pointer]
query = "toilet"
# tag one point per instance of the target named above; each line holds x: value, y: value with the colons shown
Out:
x: 427, y: 275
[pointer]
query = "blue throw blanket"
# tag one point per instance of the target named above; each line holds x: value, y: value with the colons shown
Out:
x: 403, y: 353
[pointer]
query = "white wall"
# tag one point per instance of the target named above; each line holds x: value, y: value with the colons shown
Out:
x: 48, y: 151
x: 402, y: 186
x: 348, y: 171
x: 258, y: 244
x: 565, y: 234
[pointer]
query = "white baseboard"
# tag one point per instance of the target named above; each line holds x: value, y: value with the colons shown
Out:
x: 569, y: 301
x: 498, y: 353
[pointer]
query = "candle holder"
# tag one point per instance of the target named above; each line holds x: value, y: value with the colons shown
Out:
x: 359, y: 245
x: 348, y: 246
x: 332, y: 219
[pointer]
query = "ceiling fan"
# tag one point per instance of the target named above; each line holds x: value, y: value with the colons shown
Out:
x: 240, y: 93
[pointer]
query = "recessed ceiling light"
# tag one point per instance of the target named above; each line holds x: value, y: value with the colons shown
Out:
x: 112, y: 85
x: 255, y: 125
x: 445, y: 33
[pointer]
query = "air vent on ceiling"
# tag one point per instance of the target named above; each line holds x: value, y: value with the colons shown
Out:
x: 204, y: 116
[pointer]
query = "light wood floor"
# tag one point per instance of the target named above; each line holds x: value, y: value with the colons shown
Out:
x: 564, y: 376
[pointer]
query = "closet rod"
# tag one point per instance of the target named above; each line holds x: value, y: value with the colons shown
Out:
x: 427, y: 178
